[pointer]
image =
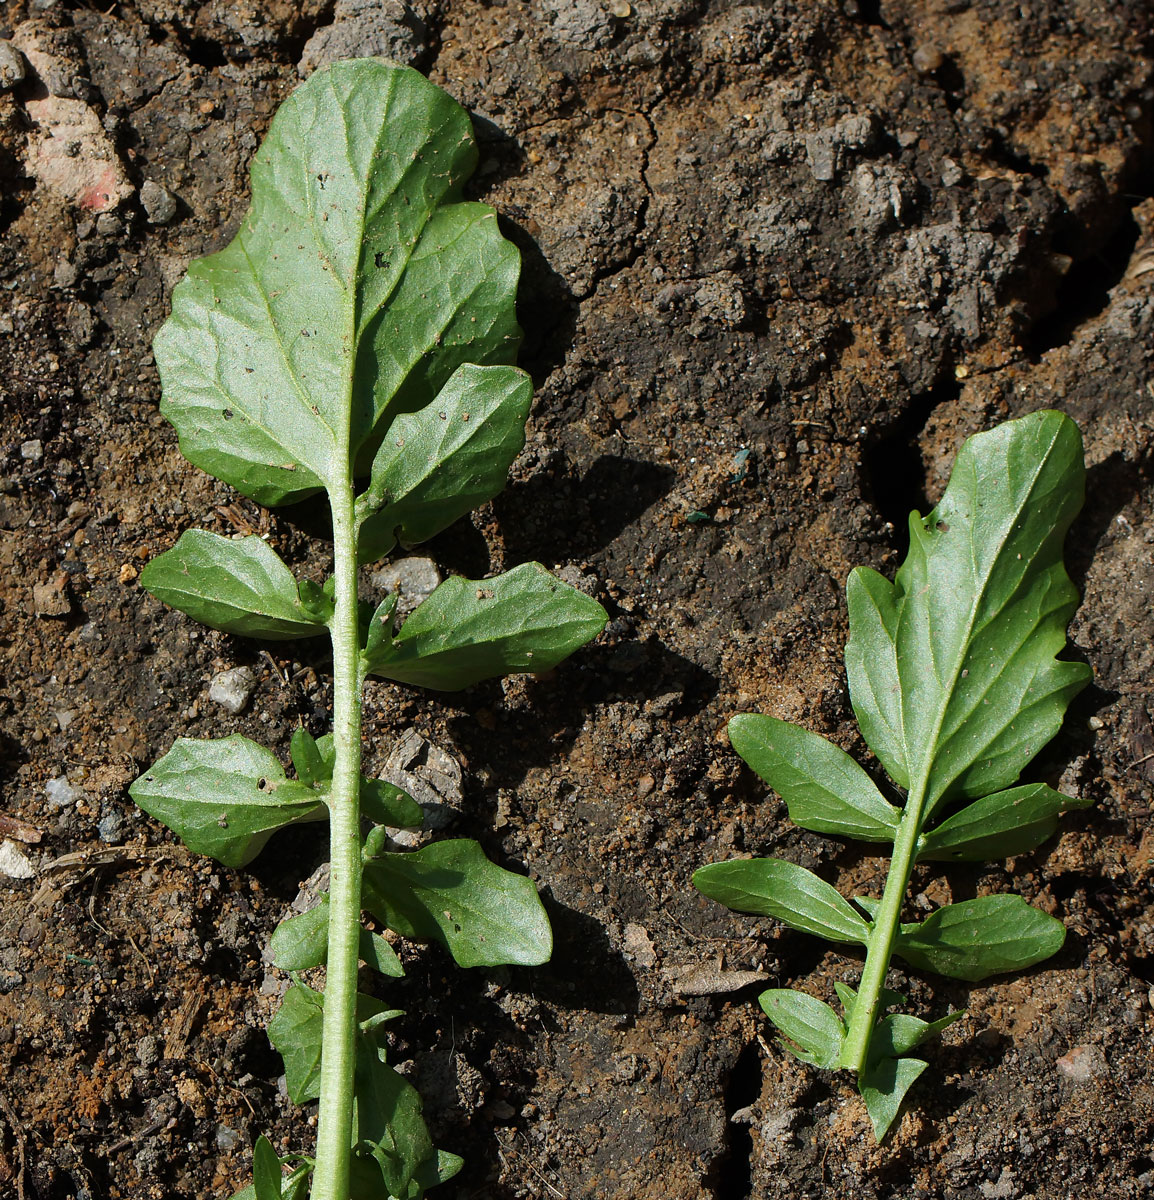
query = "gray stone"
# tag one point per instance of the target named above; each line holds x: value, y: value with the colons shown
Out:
x: 415, y: 578
x: 158, y: 202
x: 233, y: 688
x: 12, y: 70
x: 366, y: 29
x: 61, y: 793
x: 32, y: 450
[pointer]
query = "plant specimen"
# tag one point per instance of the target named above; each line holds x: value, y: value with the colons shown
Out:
x: 955, y: 684
x: 356, y: 338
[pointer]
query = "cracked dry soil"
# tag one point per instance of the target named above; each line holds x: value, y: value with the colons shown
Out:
x: 780, y: 258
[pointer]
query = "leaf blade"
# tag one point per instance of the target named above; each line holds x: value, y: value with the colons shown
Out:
x: 364, y: 165
x: 806, y: 1021
x: 451, y: 893
x: 999, y: 826
x: 978, y: 938
x: 468, y: 630
x: 953, y: 668
x: 773, y: 887
x: 240, y: 586
x: 824, y: 788
x: 224, y: 798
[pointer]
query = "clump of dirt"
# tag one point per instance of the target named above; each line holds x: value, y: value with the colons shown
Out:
x: 780, y: 259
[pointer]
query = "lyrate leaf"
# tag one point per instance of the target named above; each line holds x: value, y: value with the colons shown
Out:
x: 295, y: 1031
x: 883, y: 1084
x: 952, y: 668
x: 814, y: 1028
x: 356, y: 285
x: 224, y: 798
x: 474, y: 629
x: 452, y: 456
x: 300, y: 943
x: 239, y: 586
x: 451, y: 893
x: 825, y: 789
x: 979, y: 938
x: 999, y: 826
x: 390, y: 1127
x: 771, y: 887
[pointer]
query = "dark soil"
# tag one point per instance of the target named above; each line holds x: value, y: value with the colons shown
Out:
x: 839, y: 236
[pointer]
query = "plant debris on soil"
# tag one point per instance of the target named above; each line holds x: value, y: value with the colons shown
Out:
x: 780, y: 260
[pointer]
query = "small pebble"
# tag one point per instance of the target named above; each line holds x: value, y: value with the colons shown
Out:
x: 158, y: 202
x: 14, y: 862
x: 110, y: 829
x: 11, y: 66
x: 66, y: 274
x: 232, y: 689
x: 415, y: 578
x: 226, y: 1138
x: 32, y: 450
x: 60, y: 792
x: 1083, y: 1063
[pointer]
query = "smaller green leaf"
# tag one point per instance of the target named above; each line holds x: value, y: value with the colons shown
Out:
x: 999, y: 826
x: 474, y: 629
x: 883, y: 1085
x: 439, y: 463
x: 814, y: 1028
x: 378, y: 954
x: 224, y: 798
x: 451, y: 893
x: 302, y: 942
x: 978, y: 938
x: 387, y: 804
x: 899, y: 1033
x: 825, y: 789
x: 310, y: 767
x: 440, y: 1169
x: 295, y: 1031
x: 378, y: 636
x: 848, y: 997
x: 239, y: 586
x: 771, y: 887
x: 266, y: 1173
x: 294, y: 1186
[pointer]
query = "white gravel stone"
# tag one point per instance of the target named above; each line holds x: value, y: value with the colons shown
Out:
x: 233, y: 688
x: 14, y: 862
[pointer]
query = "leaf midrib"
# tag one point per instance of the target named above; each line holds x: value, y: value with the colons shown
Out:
x: 924, y: 775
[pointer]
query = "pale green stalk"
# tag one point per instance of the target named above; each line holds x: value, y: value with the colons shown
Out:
x: 335, y: 1113
x: 885, y: 928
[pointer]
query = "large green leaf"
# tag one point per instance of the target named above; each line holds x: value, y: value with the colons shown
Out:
x: 238, y: 586
x: 952, y: 667
x: 224, y: 798
x: 982, y: 937
x: 825, y: 789
x: 474, y: 629
x: 356, y: 285
x: 453, y: 455
x: 772, y: 887
x: 998, y: 826
x: 390, y: 1130
x: 451, y: 893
